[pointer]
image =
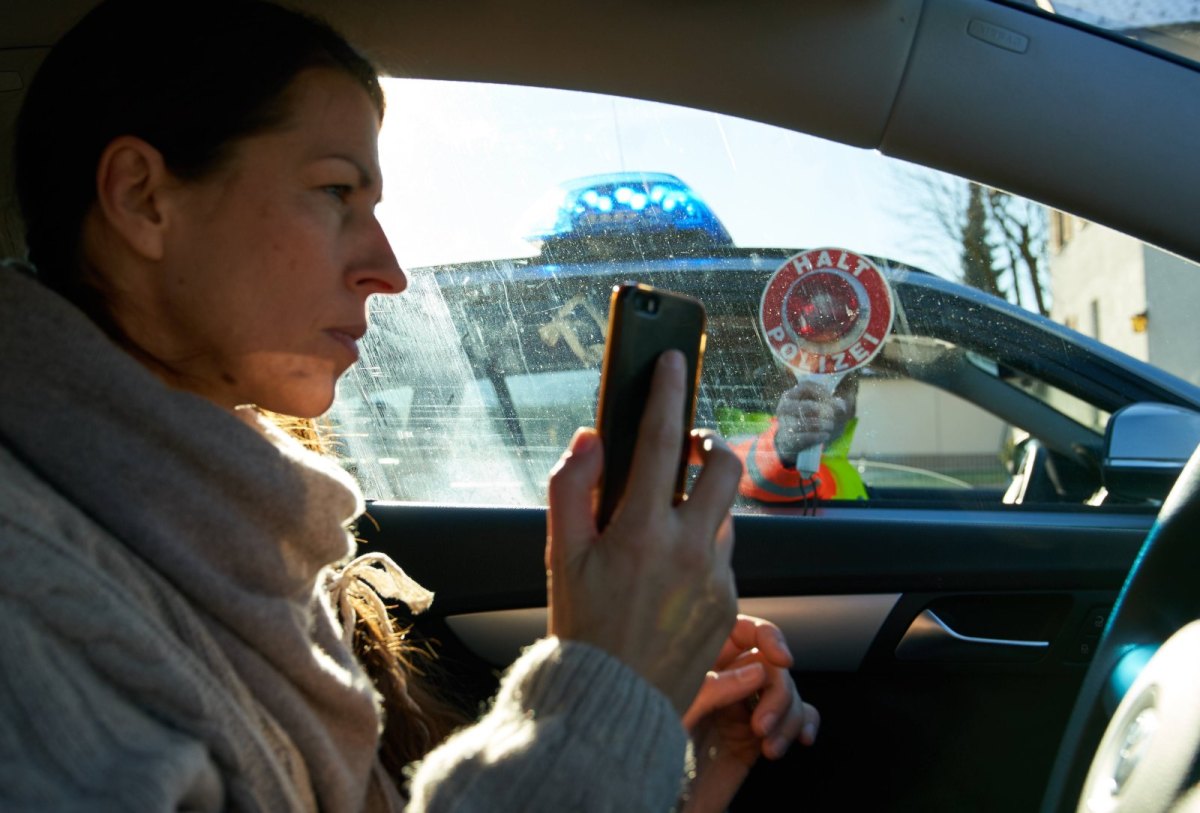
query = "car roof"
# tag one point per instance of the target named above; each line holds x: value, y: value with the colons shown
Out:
x: 997, y: 92
x: 540, y: 293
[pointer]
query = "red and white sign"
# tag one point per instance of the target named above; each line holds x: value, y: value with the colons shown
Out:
x: 826, y: 311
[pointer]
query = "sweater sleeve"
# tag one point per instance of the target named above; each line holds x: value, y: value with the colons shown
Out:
x: 72, y: 742
x: 110, y: 695
x: 572, y: 728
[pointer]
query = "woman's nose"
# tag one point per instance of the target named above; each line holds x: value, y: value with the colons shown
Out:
x: 377, y: 270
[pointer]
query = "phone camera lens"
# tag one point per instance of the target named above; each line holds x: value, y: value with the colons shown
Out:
x: 647, y: 303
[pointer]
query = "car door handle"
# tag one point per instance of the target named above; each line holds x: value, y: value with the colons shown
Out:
x: 929, y: 638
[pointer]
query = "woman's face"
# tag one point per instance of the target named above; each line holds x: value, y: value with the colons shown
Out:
x: 268, y: 263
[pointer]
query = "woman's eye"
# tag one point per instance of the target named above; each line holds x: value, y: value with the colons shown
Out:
x: 339, y: 191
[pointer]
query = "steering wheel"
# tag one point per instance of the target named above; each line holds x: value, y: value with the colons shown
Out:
x: 1133, y: 738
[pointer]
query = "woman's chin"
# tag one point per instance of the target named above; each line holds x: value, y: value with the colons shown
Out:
x: 312, y: 400
x: 292, y: 385
x: 307, y: 408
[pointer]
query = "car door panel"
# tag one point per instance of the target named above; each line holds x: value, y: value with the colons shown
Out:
x: 826, y: 633
x: 905, y: 726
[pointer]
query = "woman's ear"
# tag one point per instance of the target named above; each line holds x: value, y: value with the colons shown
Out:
x: 131, y: 182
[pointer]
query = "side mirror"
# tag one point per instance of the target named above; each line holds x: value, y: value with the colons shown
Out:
x: 1146, y: 447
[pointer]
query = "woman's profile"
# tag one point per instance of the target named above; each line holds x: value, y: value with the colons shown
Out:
x: 177, y: 605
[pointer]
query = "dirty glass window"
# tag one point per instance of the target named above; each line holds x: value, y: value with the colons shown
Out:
x: 516, y: 210
x: 1168, y: 25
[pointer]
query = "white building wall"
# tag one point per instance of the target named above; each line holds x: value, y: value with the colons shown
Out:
x: 903, y: 417
x: 1100, y: 272
x: 1099, y: 285
x: 1173, y: 326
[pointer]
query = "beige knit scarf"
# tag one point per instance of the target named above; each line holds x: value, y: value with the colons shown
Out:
x: 237, y: 518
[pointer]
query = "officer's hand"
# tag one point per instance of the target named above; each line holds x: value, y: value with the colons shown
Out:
x: 809, y: 415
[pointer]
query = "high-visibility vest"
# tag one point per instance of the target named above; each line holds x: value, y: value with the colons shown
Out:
x: 766, y: 479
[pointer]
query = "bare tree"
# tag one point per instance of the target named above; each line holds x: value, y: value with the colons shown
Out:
x: 1022, y: 227
x: 978, y: 255
x: 1001, y: 239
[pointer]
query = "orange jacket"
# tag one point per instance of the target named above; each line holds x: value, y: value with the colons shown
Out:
x: 766, y: 479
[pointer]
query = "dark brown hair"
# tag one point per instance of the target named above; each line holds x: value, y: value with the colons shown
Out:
x: 188, y: 77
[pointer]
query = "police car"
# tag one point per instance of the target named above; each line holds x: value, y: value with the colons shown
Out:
x: 970, y: 399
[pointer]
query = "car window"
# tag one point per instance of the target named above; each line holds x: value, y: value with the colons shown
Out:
x: 516, y: 210
x: 1169, y: 27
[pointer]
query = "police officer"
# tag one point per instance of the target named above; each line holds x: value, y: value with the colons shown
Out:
x: 806, y: 415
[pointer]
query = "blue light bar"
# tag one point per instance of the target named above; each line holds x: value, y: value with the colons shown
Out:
x: 624, y: 205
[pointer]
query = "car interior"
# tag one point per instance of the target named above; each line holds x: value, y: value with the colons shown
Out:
x: 967, y: 648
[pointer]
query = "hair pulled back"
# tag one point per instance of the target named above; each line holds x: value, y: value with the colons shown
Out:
x: 188, y: 77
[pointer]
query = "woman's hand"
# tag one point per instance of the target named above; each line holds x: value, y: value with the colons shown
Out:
x: 748, y: 706
x: 655, y: 589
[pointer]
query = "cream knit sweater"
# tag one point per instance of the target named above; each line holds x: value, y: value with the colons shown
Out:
x: 167, y: 642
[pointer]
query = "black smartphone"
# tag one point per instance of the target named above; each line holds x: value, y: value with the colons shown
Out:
x: 643, y: 323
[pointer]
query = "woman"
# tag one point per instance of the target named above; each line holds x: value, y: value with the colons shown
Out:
x: 198, y: 182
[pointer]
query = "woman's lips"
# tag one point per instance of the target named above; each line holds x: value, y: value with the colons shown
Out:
x: 347, y: 338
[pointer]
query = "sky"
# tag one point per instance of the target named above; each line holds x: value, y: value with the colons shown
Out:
x: 466, y: 165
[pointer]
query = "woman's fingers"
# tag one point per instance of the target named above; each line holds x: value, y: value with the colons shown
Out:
x: 659, y: 448
x: 811, y: 725
x: 724, y: 688
x: 715, y: 488
x: 571, y: 517
x: 659, y: 451
x: 755, y: 634
x: 801, y: 726
x: 781, y: 717
x: 769, y: 640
